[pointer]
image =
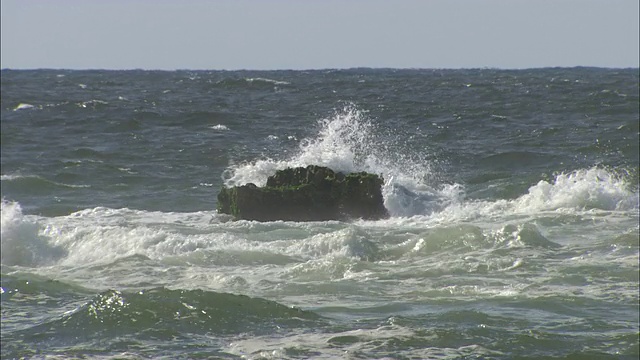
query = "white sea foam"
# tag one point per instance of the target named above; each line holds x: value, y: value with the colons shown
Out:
x: 91, y: 103
x: 9, y: 177
x: 219, y: 127
x: 334, y: 147
x: 103, y: 235
x: 23, y: 106
x: 594, y: 188
x: 573, y: 192
x: 349, y: 142
x: 346, y: 142
x: 21, y: 241
x: 339, y: 345
x: 275, y: 82
x: 88, y: 236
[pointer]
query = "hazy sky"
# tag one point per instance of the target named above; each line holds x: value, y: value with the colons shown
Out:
x: 308, y: 34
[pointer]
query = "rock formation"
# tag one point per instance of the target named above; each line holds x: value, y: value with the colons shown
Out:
x: 314, y: 193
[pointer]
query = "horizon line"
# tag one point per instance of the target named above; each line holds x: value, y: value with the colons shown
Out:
x: 324, y: 69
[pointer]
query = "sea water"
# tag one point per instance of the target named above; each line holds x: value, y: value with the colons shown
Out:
x: 513, y: 198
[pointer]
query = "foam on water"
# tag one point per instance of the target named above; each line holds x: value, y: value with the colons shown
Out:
x: 365, y: 342
x: 349, y: 142
x: 23, y: 106
x: 103, y: 235
x: 88, y: 236
x: 21, y: 241
x: 265, y: 80
x: 537, y: 265
x: 219, y: 127
x: 576, y: 192
x: 9, y: 177
x: 594, y: 188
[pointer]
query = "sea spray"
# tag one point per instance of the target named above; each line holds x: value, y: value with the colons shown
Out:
x: 349, y: 141
x: 22, y: 240
x: 594, y: 188
x: 572, y: 193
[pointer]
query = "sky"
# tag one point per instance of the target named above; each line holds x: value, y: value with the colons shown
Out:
x: 314, y: 34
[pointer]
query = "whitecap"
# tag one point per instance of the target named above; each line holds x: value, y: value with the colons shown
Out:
x: 93, y: 103
x: 275, y: 82
x: 349, y: 141
x: 10, y: 177
x: 219, y: 127
x: 127, y: 170
x: 594, y: 188
x: 22, y: 242
x: 23, y: 106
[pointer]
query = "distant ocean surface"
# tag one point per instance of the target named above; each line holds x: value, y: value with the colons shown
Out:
x: 513, y: 197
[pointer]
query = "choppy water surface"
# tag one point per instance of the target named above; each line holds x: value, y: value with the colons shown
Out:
x: 513, y: 198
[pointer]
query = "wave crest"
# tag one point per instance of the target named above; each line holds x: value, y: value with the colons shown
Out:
x: 21, y: 239
x: 594, y: 188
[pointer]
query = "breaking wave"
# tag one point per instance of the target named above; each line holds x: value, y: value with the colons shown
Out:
x: 350, y: 142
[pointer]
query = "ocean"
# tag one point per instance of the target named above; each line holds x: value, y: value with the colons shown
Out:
x: 513, y: 201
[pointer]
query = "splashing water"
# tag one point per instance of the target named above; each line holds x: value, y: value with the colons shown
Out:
x: 350, y: 142
x: 594, y: 188
x: 347, y: 142
x: 21, y: 240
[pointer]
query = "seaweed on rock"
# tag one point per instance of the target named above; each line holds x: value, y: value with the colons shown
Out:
x: 314, y: 193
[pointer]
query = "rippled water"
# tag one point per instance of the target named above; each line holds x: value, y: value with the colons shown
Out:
x: 513, y: 198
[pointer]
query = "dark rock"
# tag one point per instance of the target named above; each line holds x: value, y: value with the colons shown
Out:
x: 314, y: 193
